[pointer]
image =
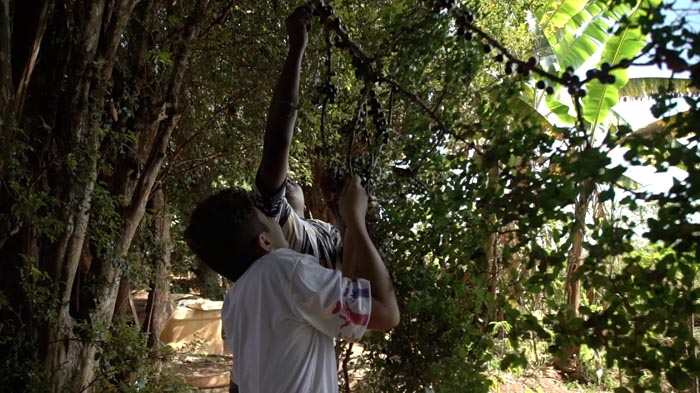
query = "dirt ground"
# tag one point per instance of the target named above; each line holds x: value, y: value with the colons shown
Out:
x: 210, y: 374
x: 542, y: 380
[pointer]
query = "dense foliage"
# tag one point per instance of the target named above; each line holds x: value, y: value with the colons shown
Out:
x: 485, y: 130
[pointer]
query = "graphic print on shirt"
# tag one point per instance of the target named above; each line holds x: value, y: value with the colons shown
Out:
x: 344, y: 307
x: 351, y: 293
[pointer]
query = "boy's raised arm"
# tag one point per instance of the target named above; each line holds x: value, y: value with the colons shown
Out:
x: 361, y: 258
x: 283, y: 107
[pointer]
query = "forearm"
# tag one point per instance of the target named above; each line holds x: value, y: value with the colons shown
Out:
x: 349, y: 267
x: 364, y: 261
x: 286, y: 95
x: 280, y: 123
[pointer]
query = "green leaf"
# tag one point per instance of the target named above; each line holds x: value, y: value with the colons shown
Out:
x: 582, y: 37
x: 511, y: 360
x: 557, y: 13
x: 626, y: 44
x: 560, y: 109
x: 522, y: 110
x: 629, y: 183
x: 688, y: 274
x: 607, y: 195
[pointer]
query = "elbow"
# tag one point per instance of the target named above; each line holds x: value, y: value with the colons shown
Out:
x: 387, y: 322
x: 393, y: 320
x: 394, y: 315
x: 384, y: 316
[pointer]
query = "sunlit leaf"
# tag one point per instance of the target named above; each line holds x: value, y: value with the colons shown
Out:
x: 562, y: 111
x: 583, y: 36
x: 558, y: 13
x: 648, y: 87
x: 625, y: 45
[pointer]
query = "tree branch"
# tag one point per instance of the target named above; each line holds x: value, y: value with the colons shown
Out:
x: 6, y: 84
x: 21, y: 94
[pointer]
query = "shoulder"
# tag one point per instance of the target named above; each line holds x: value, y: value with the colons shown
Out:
x: 272, y: 205
x: 309, y: 272
x: 281, y: 260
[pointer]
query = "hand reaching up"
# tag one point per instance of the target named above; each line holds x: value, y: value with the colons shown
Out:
x: 298, y: 26
x: 353, y: 202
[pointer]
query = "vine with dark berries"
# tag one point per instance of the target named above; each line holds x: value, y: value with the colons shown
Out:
x: 369, y: 71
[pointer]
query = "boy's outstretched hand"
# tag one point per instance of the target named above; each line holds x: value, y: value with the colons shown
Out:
x: 353, y: 201
x: 298, y: 26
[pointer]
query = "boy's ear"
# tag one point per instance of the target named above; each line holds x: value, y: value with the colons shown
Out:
x: 263, y: 243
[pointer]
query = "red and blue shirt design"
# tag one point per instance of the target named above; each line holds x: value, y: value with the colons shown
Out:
x: 345, y: 310
x: 335, y: 305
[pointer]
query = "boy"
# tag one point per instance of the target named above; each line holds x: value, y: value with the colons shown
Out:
x: 284, y: 310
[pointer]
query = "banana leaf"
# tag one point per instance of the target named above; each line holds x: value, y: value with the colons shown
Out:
x: 625, y: 44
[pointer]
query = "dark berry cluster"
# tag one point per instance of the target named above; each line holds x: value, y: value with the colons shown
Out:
x: 375, y: 112
x: 366, y: 69
x: 322, y: 10
x: 329, y: 91
x: 573, y: 83
x: 464, y: 20
x: 603, y: 74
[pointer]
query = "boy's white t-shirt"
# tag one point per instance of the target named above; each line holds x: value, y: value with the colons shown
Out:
x: 281, y: 317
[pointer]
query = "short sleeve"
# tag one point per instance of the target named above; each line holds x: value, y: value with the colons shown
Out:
x: 312, y: 237
x: 274, y: 205
x: 331, y: 303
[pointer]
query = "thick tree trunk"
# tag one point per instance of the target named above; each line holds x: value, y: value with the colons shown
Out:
x: 134, y: 212
x: 159, y: 308
x: 71, y: 360
x: 121, y: 304
x: 66, y: 86
x: 63, y: 348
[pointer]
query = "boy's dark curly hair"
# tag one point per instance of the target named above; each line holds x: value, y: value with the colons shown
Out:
x: 223, y: 231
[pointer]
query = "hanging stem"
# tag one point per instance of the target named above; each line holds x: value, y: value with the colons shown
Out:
x: 351, y: 137
x: 326, y: 97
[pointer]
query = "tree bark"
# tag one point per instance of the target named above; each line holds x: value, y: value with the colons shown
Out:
x: 134, y: 212
x: 6, y: 84
x: 64, y: 347
x: 66, y: 87
x: 70, y: 360
x: 569, y: 362
x: 159, y: 307
x: 23, y: 85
